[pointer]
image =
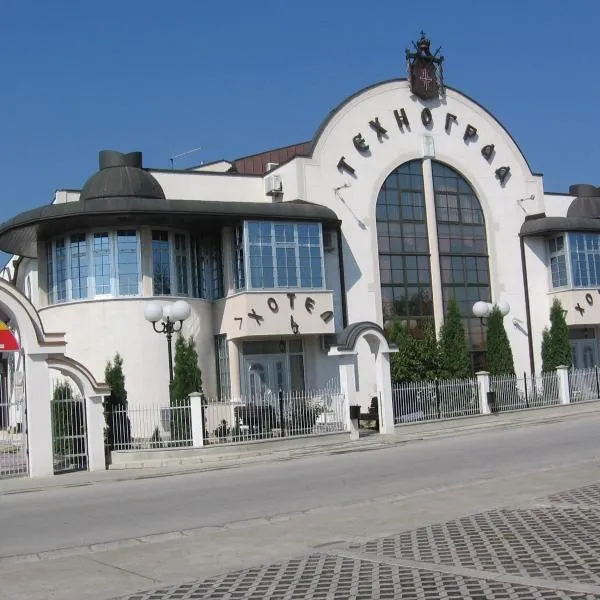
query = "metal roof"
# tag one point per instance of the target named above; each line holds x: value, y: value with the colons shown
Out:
x: 20, y: 235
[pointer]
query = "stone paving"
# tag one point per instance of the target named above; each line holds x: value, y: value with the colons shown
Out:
x: 549, y: 550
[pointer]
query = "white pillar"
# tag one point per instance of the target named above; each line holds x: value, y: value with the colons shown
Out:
x: 39, y: 418
x: 94, y: 417
x: 483, y: 385
x: 432, y: 236
x: 347, y: 366
x: 384, y: 387
x: 197, y: 419
x: 564, y: 393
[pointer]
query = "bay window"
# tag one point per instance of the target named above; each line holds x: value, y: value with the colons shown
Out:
x: 574, y: 260
x: 281, y: 255
x: 88, y: 265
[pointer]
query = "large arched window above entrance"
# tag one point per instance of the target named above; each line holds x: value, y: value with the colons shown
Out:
x: 403, y: 247
x: 462, y: 246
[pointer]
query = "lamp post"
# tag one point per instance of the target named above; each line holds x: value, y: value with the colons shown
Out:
x: 483, y: 309
x: 171, y: 318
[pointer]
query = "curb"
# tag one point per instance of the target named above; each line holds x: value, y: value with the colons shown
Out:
x: 405, y: 434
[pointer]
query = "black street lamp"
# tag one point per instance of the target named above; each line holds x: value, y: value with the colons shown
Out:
x: 171, y: 318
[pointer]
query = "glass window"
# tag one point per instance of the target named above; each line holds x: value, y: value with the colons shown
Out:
x: 50, y: 272
x: 79, y: 266
x: 207, y: 273
x: 161, y: 263
x: 102, y: 263
x: 403, y: 247
x: 463, y: 247
x: 239, y: 273
x: 216, y: 270
x: 285, y: 255
x: 61, y: 270
x: 558, y: 261
x: 127, y: 263
x: 584, y: 251
x: 223, y: 372
x: 181, y: 265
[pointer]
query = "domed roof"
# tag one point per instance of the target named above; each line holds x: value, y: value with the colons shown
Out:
x: 587, y: 203
x: 121, y: 176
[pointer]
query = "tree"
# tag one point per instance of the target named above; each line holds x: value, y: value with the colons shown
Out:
x: 454, y: 353
x: 402, y: 366
x: 426, y: 355
x: 187, y: 378
x: 118, y: 425
x: 546, y: 345
x: 499, y: 358
x: 115, y: 380
x: 417, y: 359
x: 556, y: 350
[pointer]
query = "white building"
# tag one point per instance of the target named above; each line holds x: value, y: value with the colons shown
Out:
x: 396, y: 204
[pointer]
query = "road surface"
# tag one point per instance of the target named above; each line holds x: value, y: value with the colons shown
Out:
x: 102, y: 540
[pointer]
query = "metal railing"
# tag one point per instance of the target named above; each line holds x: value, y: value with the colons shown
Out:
x: 13, y: 442
x: 13, y: 428
x: 149, y: 426
x: 584, y: 384
x: 438, y: 399
x: 69, y: 431
x: 257, y: 417
x: 519, y: 393
x: 273, y: 415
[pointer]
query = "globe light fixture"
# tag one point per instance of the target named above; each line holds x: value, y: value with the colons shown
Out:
x: 503, y: 306
x: 483, y: 310
x: 168, y: 319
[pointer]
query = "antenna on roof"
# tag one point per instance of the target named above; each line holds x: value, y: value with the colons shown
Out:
x: 176, y: 156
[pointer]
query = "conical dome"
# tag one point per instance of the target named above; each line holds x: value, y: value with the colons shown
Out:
x: 121, y: 175
x: 587, y: 203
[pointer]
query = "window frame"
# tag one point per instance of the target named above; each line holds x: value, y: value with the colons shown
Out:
x: 274, y: 245
x: 51, y: 262
x: 557, y: 254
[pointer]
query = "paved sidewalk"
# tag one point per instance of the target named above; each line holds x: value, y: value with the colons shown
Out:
x: 547, y: 550
x: 404, y: 434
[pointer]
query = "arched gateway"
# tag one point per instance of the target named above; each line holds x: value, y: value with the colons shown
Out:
x: 346, y: 353
x: 26, y: 430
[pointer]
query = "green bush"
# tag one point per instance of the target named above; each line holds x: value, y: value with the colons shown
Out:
x: 187, y: 378
x: 556, y: 350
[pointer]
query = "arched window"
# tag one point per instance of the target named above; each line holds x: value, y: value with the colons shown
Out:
x: 403, y: 247
x: 404, y: 260
x: 463, y: 248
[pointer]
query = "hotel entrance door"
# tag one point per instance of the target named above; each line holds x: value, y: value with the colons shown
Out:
x: 265, y: 376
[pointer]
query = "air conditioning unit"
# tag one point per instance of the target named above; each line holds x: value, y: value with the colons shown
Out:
x: 271, y: 166
x: 328, y: 240
x: 273, y: 185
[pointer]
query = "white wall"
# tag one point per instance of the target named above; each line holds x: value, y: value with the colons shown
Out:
x: 356, y: 203
x: 197, y: 185
x: 96, y: 329
x: 557, y: 205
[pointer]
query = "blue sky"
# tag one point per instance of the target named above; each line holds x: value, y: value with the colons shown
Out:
x: 240, y: 77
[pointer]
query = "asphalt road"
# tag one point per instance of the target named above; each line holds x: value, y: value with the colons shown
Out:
x: 111, y: 511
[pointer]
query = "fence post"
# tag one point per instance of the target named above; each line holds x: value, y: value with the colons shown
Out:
x: 281, y: 421
x: 95, y: 433
x: 197, y: 416
x: 483, y: 387
x: 597, y: 382
x: 564, y: 396
x: 437, y: 399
